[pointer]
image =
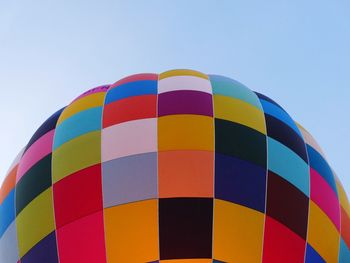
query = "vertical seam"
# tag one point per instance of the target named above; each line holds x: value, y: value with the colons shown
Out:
x: 213, y: 212
x: 266, y: 179
x: 101, y: 163
x: 52, y: 190
x: 309, y: 199
x: 340, y: 217
x: 14, y: 203
x: 157, y: 118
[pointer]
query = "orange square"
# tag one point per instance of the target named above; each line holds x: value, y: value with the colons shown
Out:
x: 186, y: 174
x: 132, y: 232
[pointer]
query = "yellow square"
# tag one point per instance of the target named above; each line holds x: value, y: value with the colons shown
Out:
x: 35, y: 221
x: 182, y: 72
x: 185, y: 132
x: 77, y: 154
x: 132, y: 232
x: 239, y: 111
x: 238, y: 233
x: 322, y: 234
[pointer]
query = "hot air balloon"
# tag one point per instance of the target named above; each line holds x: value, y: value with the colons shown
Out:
x: 173, y: 167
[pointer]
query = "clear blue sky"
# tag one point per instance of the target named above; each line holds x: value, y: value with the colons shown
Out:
x: 297, y: 52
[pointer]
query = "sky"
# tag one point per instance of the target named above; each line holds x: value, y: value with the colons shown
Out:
x: 296, y: 52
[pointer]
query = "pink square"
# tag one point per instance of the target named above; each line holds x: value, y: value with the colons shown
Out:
x: 82, y: 240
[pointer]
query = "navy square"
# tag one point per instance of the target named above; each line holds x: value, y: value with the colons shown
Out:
x: 240, y: 182
x: 44, y: 251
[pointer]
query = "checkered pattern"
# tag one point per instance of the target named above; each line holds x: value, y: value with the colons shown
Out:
x: 175, y: 167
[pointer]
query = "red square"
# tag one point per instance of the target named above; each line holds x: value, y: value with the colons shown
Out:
x: 82, y: 240
x: 78, y: 195
x: 281, y: 244
x: 128, y: 109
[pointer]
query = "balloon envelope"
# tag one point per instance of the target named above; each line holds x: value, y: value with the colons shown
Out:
x: 173, y: 167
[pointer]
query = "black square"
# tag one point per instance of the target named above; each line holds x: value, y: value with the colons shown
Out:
x: 240, y: 141
x: 287, y: 204
x: 281, y: 132
x: 185, y: 227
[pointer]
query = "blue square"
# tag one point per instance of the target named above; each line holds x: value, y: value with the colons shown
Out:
x: 240, y: 182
